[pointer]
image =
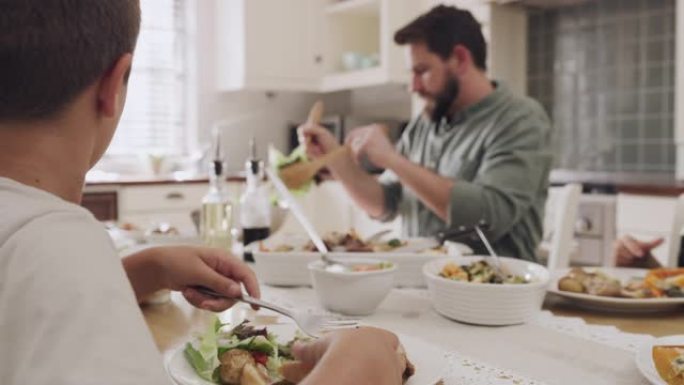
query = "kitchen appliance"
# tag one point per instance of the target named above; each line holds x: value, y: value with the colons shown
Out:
x: 341, y: 125
x: 595, y: 230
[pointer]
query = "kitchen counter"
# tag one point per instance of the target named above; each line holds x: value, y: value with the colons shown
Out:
x: 663, y: 184
x: 111, y: 179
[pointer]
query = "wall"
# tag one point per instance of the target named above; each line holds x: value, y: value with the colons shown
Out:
x: 604, y: 70
x: 267, y: 115
x: 263, y: 115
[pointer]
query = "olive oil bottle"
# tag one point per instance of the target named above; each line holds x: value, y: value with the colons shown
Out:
x: 216, y: 219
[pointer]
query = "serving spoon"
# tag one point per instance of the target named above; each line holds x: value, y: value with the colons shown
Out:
x: 297, y: 174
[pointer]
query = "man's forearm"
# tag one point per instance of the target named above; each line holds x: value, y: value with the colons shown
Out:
x: 364, y: 188
x: 432, y: 189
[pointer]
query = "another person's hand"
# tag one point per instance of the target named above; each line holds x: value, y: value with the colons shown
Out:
x: 630, y: 252
x: 317, y: 140
x: 353, y: 356
x: 373, y: 143
x: 183, y: 267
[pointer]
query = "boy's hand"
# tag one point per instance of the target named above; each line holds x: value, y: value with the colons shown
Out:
x: 182, y: 267
x: 370, y: 356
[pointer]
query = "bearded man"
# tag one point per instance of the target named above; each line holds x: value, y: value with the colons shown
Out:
x: 477, y: 154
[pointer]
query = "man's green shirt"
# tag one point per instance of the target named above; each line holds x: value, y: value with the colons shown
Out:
x: 498, y: 153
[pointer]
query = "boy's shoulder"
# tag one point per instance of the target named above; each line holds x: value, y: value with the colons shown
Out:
x: 34, y: 217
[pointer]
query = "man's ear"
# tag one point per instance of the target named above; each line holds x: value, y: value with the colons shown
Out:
x: 112, y: 85
x: 460, y: 59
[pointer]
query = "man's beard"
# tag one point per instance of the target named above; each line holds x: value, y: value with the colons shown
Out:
x: 445, y: 99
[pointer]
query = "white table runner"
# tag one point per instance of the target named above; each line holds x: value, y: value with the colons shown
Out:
x: 549, y: 350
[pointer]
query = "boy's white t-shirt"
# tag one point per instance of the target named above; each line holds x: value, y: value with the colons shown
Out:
x: 68, y: 315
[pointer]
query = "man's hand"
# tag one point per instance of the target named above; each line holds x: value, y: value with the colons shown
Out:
x: 372, y: 142
x: 629, y: 252
x: 354, y: 356
x: 182, y: 267
x: 317, y: 140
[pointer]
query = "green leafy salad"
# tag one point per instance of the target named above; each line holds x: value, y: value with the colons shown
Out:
x: 280, y: 160
x: 239, y: 356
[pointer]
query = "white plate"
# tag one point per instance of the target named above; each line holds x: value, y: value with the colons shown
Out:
x: 644, y: 357
x: 616, y: 304
x: 429, y: 360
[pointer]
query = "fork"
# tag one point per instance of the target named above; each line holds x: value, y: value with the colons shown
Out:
x: 312, y: 325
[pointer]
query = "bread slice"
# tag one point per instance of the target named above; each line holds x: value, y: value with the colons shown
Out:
x: 669, y: 362
x: 251, y: 376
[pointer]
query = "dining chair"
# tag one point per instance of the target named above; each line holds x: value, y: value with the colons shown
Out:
x: 559, y: 224
x: 675, y: 243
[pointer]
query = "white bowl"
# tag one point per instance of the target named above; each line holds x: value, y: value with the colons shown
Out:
x: 290, y: 268
x: 351, y: 293
x: 487, y: 304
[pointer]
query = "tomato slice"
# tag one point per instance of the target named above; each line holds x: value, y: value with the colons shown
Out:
x: 260, y: 358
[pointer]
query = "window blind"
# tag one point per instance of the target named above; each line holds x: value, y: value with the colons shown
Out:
x: 154, y: 119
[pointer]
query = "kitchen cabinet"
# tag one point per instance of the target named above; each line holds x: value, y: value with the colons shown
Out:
x: 266, y: 44
x: 301, y: 44
x: 102, y: 204
x: 147, y: 206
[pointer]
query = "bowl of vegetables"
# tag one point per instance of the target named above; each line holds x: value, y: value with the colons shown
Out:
x: 469, y: 289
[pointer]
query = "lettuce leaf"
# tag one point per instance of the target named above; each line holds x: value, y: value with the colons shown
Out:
x: 278, y: 160
x: 203, y: 357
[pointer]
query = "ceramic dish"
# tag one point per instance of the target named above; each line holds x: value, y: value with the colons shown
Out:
x: 487, y: 303
x: 644, y: 357
x: 615, y: 304
x: 430, y: 361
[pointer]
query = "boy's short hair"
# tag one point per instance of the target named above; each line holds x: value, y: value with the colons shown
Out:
x: 444, y: 27
x: 51, y: 50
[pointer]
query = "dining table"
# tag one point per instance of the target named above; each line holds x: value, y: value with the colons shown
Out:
x: 564, y: 344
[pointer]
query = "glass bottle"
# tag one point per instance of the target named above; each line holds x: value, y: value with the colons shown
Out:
x: 255, y: 205
x: 217, y: 211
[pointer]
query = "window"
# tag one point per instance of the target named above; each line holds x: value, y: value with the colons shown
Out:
x: 155, y: 119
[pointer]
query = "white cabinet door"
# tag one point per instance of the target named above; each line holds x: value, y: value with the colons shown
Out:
x: 266, y: 44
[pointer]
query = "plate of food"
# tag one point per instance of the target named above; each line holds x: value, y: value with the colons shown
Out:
x: 283, y: 260
x: 250, y: 355
x: 621, y: 289
x: 661, y: 361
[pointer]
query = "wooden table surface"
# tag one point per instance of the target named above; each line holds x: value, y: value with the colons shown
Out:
x: 171, y: 323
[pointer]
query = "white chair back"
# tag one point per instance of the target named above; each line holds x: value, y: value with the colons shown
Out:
x: 559, y: 223
x: 675, y: 241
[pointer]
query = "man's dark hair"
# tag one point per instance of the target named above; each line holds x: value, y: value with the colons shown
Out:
x: 444, y: 27
x: 51, y: 50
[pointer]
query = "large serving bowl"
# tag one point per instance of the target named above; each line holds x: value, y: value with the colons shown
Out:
x: 485, y: 303
x: 289, y: 268
x: 351, y: 293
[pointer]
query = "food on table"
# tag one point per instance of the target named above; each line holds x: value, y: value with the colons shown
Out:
x: 243, y: 355
x: 477, y: 272
x: 669, y: 362
x: 346, y: 242
x: 246, y: 355
x: 658, y: 283
x: 127, y: 226
x: 163, y: 229
x: 666, y: 282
